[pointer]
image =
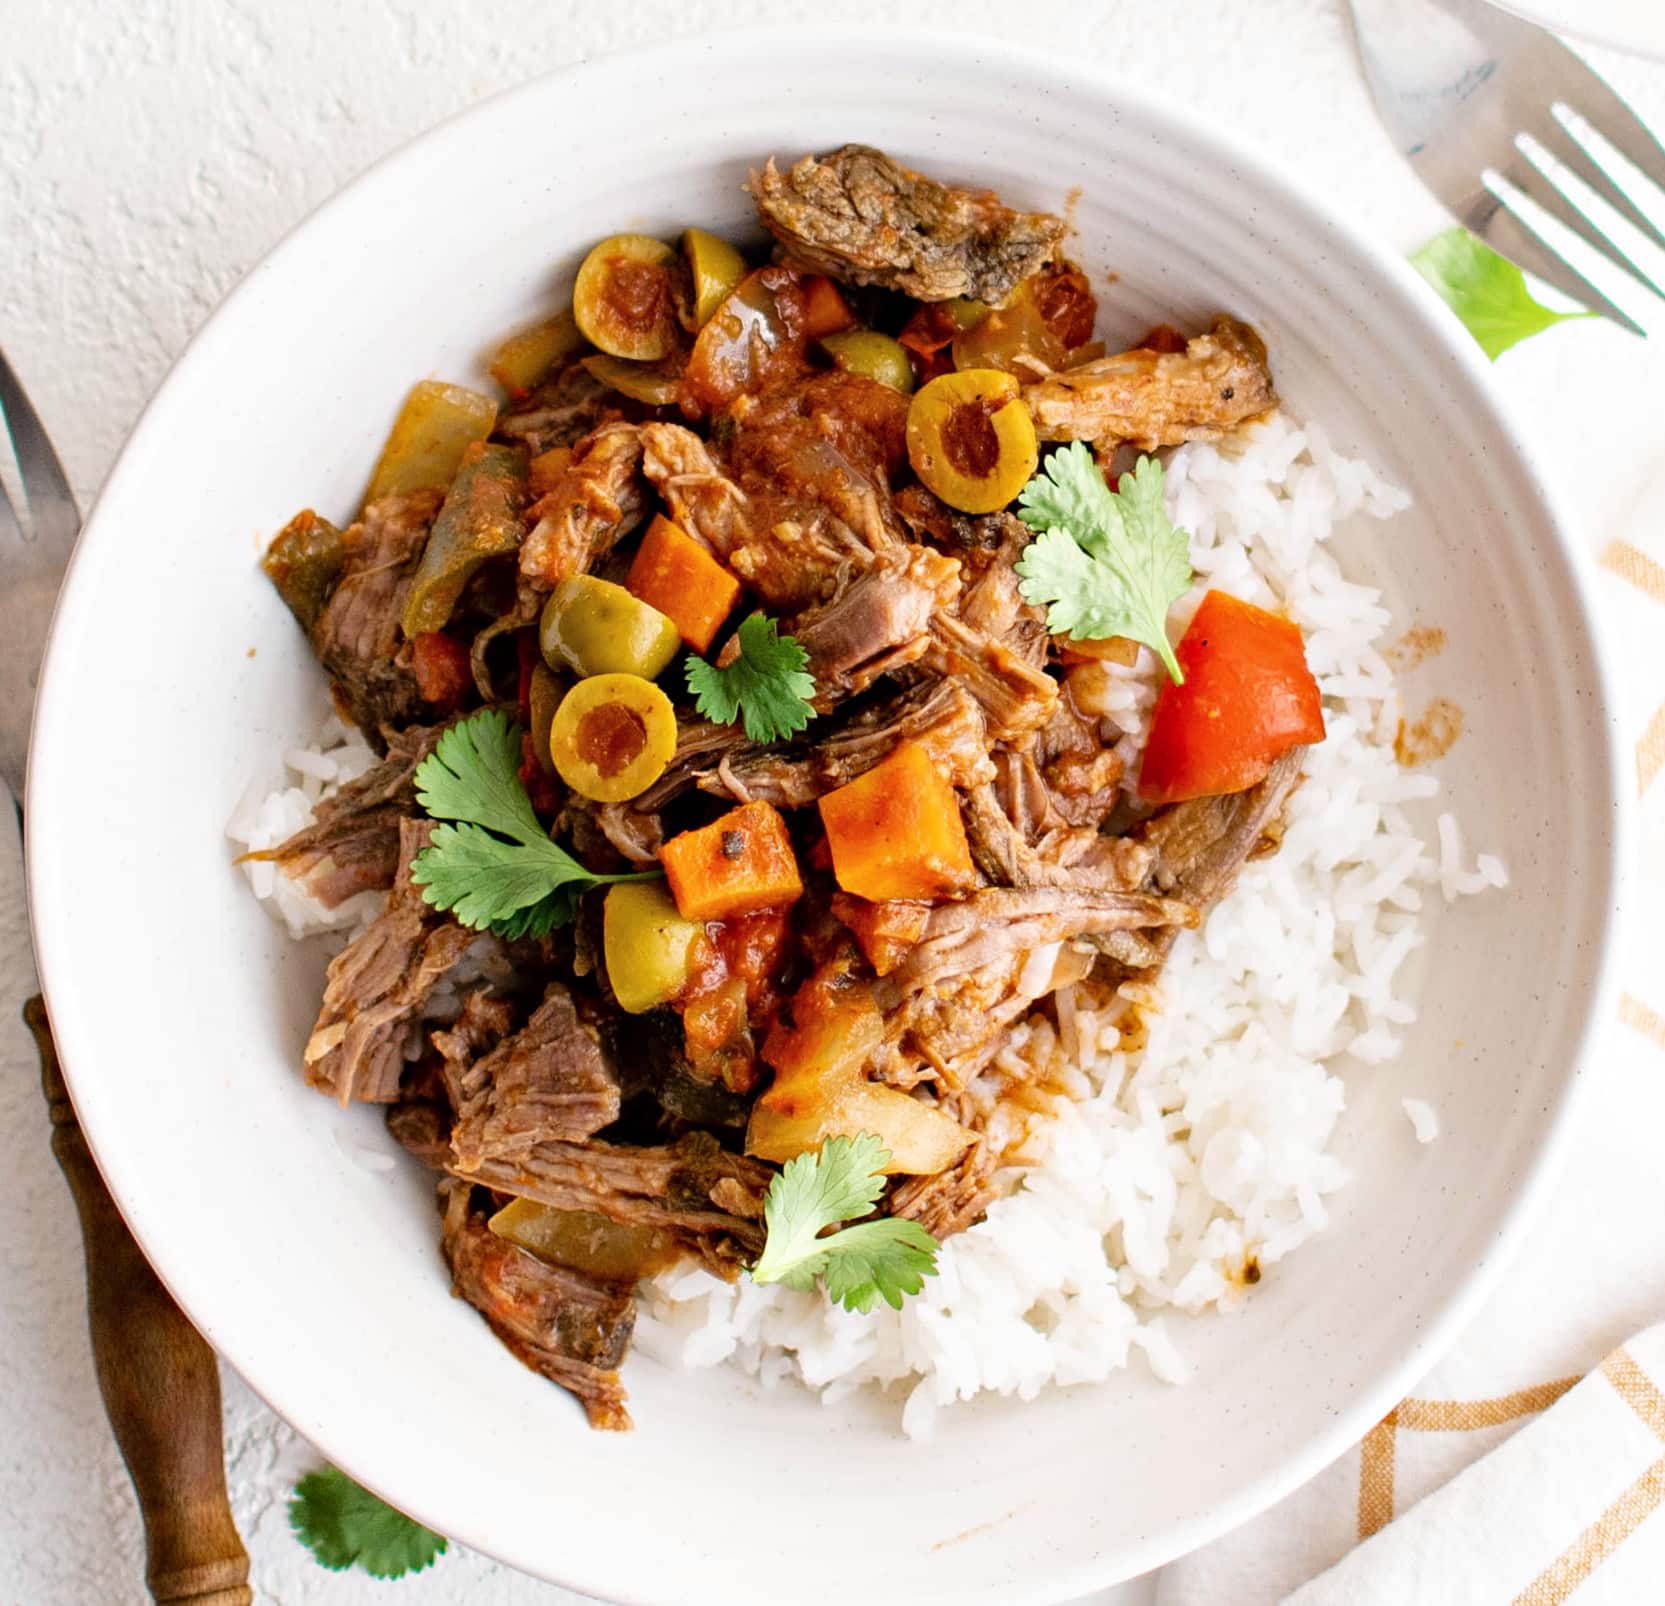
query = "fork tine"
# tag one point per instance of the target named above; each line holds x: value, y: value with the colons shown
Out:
x: 1569, y: 146
x: 11, y: 528
x: 1602, y: 108
x: 1566, y: 206
x: 1504, y: 231
x: 52, y: 509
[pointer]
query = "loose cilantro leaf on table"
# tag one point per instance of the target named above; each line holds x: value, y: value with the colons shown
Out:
x: 1487, y: 291
x: 1104, y: 563
x: 765, y: 687
x: 496, y: 869
x: 340, y: 1523
x: 886, y: 1258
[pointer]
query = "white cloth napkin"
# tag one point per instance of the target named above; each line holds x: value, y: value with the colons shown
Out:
x: 1505, y: 1478
x: 1554, y: 1508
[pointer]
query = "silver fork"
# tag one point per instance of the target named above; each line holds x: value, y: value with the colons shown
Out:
x: 1495, y: 116
x: 33, y: 553
x: 159, y: 1378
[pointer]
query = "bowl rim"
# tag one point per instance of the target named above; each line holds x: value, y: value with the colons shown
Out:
x: 1408, y: 298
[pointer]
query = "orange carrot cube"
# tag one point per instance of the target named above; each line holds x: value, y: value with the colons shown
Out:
x: 896, y: 832
x: 741, y: 862
x: 675, y: 574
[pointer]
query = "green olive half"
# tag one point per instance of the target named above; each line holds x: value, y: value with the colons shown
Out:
x: 598, y: 628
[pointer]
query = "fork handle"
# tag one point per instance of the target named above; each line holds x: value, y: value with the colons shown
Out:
x: 159, y: 1379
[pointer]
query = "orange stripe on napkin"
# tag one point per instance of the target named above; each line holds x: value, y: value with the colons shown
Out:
x: 1376, y: 1477
x: 1636, y: 1389
x: 1463, y: 1416
x: 1649, y: 1022
x: 1634, y: 565
x: 1592, y: 1547
x: 1650, y: 751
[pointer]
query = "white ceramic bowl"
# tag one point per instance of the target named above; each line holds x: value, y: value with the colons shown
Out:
x: 175, y: 674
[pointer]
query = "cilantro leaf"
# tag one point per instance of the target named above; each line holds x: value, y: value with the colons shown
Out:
x: 885, y: 1258
x: 484, y: 880
x: 473, y: 774
x: 340, y: 1523
x: 555, y: 909
x: 1104, y: 563
x: 765, y: 687
x: 1487, y: 291
x: 525, y: 886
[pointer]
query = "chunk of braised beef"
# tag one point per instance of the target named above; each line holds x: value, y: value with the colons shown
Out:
x: 572, y: 1328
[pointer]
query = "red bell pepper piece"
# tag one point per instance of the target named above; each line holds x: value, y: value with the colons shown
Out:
x: 1247, y: 698
x: 528, y: 655
x: 826, y: 312
x: 441, y: 666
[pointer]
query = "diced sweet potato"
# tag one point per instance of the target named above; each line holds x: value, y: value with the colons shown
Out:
x: 885, y: 931
x: 895, y: 832
x: 741, y: 862
x: 675, y: 574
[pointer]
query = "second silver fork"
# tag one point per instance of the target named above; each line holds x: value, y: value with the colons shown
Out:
x: 1507, y: 127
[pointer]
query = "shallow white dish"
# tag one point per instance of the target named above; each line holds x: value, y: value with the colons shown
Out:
x: 181, y: 1007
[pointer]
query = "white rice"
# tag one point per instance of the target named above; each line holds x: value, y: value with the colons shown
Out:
x: 266, y: 817
x: 1424, y: 1118
x: 1191, y: 1165
x: 1181, y: 1169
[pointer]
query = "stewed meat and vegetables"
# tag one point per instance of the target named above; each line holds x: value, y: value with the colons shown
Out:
x: 738, y: 793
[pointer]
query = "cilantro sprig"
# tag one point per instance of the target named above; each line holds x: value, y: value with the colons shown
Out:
x: 1487, y: 291
x: 341, y: 1523
x: 1103, y: 563
x: 766, y: 687
x: 496, y: 868
x: 887, y: 1258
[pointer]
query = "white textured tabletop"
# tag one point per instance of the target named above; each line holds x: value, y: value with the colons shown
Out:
x: 152, y: 150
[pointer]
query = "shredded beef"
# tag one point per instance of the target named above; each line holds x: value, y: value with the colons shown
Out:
x: 378, y: 986
x: 550, y: 1080
x: 561, y: 410
x: 940, y: 715
x: 1199, y: 847
x: 357, y: 635
x: 352, y: 844
x: 860, y: 216
x: 1151, y: 398
x: 573, y: 1329
x: 952, y: 1200
x: 672, y: 1187
x: 597, y: 499
x: 1000, y: 923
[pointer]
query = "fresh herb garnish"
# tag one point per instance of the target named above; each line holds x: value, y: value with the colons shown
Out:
x: 1104, y: 563
x: 885, y: 1258
x: 340, y: 1523
x: 765, y: 687
x: 1487, y: 291
x: 497, y: 870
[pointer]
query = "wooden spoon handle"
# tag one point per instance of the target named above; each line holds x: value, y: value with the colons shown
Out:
x: 159, y: 1379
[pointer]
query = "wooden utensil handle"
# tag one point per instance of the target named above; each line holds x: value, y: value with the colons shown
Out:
x: 159, y: 1379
